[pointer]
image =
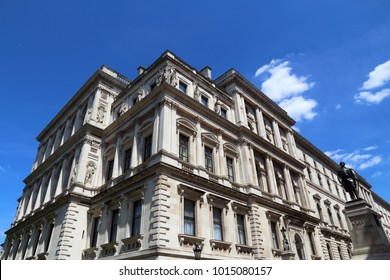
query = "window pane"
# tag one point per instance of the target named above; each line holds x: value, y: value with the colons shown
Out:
x: 208, y: 159
x: 223, y: 113
x: 127, y: 159
x: 137, y: 213
x: 183, y: 148
x: 148, y: 147
x: 182, y: 87
x: 189, y: 217
x: 241, y: 229
x: 94, y: 234
x: 217, y: 220
x: 110, y: 167
x: 114, y: 225
x: 229, y: 163
x: 204, y: 100
x: 274, y: 235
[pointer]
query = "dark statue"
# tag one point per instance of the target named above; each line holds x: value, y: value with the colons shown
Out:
x: 348, y: 179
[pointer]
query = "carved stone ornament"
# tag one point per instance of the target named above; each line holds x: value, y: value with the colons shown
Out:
x: 100, y: 114
x: 167, y: 74
x: 89, y: 174
x: 124, y: 107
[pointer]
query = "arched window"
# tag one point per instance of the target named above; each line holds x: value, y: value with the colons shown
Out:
x: 300, y: 247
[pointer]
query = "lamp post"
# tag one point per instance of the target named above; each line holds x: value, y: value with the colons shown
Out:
x: 197, y: 251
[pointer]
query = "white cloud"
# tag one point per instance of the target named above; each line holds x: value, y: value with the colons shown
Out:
x: 281, y: 83
x: 338, y: 106
x: 286, y: 88
x: 370, y: 148
x: 2, y: 168
x: 299, y: 108
x: 371, y: 162
x: 356, y: 159
x: 375, y: 98
x: 377, y: 174
x: 378, y: 77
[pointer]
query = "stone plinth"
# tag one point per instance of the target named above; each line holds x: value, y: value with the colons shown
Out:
x: 368, y: 237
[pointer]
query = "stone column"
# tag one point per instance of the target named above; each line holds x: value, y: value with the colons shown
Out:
x: 270, y: 174
x: 118, y: 153
x: 260, y: 123
x: 156, y: 124
x: 134, y: 149
x: 291, y: 144
x: 278, y: 140
x: 288, y: 184
x: 221, y: 156
x: 165, y: 126
x: 173, y: 134
x: 198, y: 143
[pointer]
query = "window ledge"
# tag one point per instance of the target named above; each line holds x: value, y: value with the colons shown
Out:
x: 315, y: 257
x: 109, y: 249
x: 133, y: 242
x: 244, y: 249
x: 220, y: 245
x: 189, y: 240
x: 90, y: 253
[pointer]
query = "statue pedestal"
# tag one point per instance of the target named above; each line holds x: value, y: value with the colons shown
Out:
x: 368, y: 237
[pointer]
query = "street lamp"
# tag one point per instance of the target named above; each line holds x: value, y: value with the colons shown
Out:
x: 197, y: 251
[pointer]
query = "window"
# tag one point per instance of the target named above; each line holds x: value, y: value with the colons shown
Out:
x: 217, y: 222
x: 311, y: 239
x: 340, y: 220
x: 36, y: 241
x: 136, y: 224
x: 275, y: 238
x: 241, y: 229
x: 95, y: 232
x: 329, y: 251
x: 127, y: 162
x: 183, y: 147
x: 26, y: 246
x: 182, y: 87
x: 49, y: 234
x: 147, y: 147
x: 208, y: 158
x: 152, y: 86
x: 223, y: 113
x: 189, y: 217
x: 16, y: 249
x: 110, y: 167
x: 330, y: 216
x: 204, y: 100
x: 114, y: 225
x: 230, y: 169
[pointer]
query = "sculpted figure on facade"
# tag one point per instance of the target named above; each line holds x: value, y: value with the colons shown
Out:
x: 91, y: 168
x: 100, y: 114
x: 196, y: 91
x: 167, y: 74
x: 123, y: 109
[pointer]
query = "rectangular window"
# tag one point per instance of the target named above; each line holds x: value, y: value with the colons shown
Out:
x: 36, y: 242
x: 148, y: 147
x: 183, y: 147
x: 217, y: 222
x: 230, y: 169
x: 110, y: 168
x: 189, y: 217
x: 152, y: 86
x: 241, y: 229
x: 223, y: 113
x: 182, y: 87
x: 114, y: 225
x: 94, y: 233
x: 208, y: 159
x: 49, y: 234
x: 26, y: 246
x: 275, y: 238
x: 204, y: 100
x: 127, y: 162
x: 136, y: 224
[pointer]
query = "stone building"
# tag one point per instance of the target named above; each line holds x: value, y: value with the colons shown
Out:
x: 148, y: 168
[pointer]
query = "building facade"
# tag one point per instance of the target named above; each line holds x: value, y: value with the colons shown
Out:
x: 148, y: 168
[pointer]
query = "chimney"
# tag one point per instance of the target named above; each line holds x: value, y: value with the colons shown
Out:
x: 206, y: 72
x: 141, y: 70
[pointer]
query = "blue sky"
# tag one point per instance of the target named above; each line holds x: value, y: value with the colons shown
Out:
x: 326, y: 62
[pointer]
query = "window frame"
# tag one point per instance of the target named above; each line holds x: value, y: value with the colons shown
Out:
x: 114, y: 226
x: 209, y: 158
